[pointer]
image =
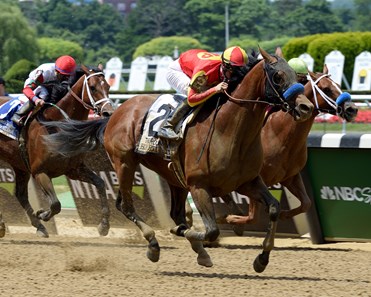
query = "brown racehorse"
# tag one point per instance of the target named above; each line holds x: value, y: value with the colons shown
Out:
x: 284, y: 166
x: 90, y: 92
x: 234, y: 140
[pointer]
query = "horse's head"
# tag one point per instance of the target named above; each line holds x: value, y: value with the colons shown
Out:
x: 283, y: 89
x: 328, y: 97
x: 95, y: 91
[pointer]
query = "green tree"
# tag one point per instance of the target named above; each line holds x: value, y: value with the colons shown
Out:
x: 208, y: 22
x: 149, y: 20
x: 52, y: 48
x: 92, y: 25
x: 362, y: 15
x: 17, y: 39
x: 251, y: 17
x: 314, y: 17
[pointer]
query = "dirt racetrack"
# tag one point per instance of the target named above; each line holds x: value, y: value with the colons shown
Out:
x: 79, y: 263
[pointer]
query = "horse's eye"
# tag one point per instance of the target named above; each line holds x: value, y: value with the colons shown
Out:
x: 277, y: 79
x: 327, y: 91
x: 93, y: 89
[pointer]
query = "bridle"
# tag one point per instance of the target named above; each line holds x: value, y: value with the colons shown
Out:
x: 334, y: 104
x: 94, y: 105
x: 271, y: 87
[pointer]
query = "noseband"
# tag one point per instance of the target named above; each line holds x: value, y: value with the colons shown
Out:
x: 335, y: 105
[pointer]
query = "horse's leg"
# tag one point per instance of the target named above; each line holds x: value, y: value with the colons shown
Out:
x: 203, y: 202
x: 21, y: 193
x: 125, y: 166
x: 85, y: 174
x: 258, y: 190
x: 47, y: 187
x: 237, y: 216
x: 2, y: 226
x: 296, y: 186
x: 188, y: 212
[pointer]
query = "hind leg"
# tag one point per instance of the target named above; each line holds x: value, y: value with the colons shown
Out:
x: 21, y: 193
x: 85, y: 174
x: 2, y: 226
x: 47, y: 187
x: 296, y: 186
x: 125, y: 165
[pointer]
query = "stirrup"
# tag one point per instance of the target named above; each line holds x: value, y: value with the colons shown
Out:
x: 18, y: 120
x: 167, y: 133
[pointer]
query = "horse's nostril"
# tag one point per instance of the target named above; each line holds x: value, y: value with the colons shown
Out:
x: 305, y: 108
x: 106, y: 114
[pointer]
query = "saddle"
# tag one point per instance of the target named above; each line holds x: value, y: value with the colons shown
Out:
x: 150, y: 143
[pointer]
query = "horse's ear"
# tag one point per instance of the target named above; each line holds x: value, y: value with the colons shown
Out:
x: 84, y: 68
x: 267, y: 57
x: 279, y: 52
x: 325, y: 69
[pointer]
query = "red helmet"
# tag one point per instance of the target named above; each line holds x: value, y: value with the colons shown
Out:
x: 65, y: 65
x: 234, y: 56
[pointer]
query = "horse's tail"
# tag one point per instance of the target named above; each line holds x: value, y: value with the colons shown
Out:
x: 75, y: 137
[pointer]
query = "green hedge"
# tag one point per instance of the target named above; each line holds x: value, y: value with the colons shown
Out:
x: 350, y: 44
x: 17, y: 74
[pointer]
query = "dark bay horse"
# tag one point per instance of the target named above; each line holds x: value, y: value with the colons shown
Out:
x: 284, y: 165
x: 90, y: 92
x: 234, y: 141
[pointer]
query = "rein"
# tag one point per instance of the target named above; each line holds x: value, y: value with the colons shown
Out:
x: 64, y: 114
x: 243, y: 101
x: 282, y: 103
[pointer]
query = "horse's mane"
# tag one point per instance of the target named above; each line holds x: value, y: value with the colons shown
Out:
x: 253, y: 60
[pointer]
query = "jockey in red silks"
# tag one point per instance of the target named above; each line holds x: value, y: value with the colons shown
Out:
x: 56, y: 74
x: 199, y: 74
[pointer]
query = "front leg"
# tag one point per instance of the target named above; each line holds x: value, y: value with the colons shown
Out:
x: 257, y: 190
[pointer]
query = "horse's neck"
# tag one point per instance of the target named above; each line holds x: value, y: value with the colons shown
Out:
x: 285, y: 130
x: 244, y: 120
x: 70, y: 105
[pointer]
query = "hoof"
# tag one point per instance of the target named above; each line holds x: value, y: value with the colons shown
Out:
x: 153, y: 254
x: 103, y: 229
x: 153, y: 250
x: 204, y: 260
x: 2, y: 229
x: 42, y: 232
x: 238, y: 229
x: 260, y: 264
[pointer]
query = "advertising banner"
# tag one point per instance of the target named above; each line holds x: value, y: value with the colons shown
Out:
x: 338, y: 171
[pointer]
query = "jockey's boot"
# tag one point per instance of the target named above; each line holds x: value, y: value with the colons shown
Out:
x: 167, y: 129
x: 19, y: 116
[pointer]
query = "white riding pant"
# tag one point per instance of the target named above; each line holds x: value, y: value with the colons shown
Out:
x: 177, y: 79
